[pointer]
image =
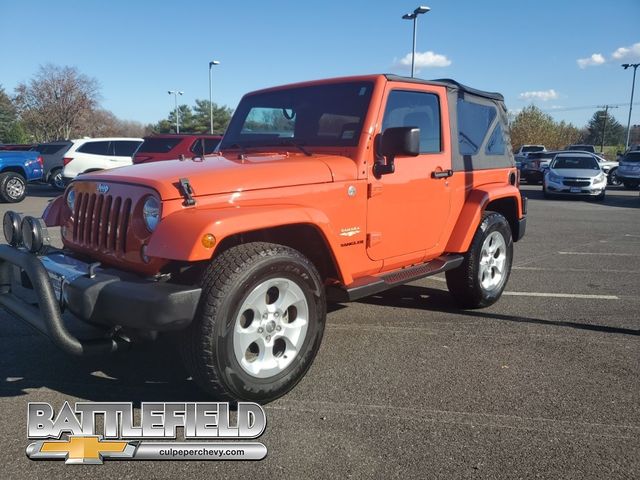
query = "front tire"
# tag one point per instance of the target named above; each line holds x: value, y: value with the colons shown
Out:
x: 482, y: 277
x: 259, y: 324
x: 13, y: 187
x: 612, y: 178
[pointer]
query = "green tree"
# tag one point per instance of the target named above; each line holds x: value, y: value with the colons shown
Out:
x: 8, y: 116
x: 195, y: 120
x: 601, y: 121
x: 533, y: 126
x: 221, y: 117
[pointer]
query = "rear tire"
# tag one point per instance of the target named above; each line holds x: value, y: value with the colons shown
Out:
x: 13, y: 187
x: 629, y: 185
x: 55, y: 179
x: 483, y: 275
x: 259, y: 323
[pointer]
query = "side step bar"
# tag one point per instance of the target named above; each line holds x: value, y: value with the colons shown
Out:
x: 370, y: 285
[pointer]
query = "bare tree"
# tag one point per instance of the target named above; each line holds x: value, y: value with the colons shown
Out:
x: 52, y: 103
x: 103, y: 123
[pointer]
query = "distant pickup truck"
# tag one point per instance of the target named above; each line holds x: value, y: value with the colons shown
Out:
x: 17, y: 168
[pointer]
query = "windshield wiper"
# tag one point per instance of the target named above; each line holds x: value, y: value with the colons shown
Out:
x: 299, y: 146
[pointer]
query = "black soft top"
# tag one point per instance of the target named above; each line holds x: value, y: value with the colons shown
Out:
x: 447, y: 82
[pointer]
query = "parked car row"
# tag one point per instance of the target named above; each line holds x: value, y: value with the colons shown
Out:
x: 533, y: 167
x: 57, y: 163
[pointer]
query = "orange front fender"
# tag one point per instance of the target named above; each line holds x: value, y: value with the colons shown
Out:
x: 179, y: 235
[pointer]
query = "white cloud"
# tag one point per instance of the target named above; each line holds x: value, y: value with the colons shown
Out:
x: 592, y: 61
x: 627, y: 53
x: 424, y: 60
x: 543, y: 95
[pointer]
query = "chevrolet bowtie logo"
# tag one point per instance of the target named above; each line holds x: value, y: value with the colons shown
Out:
x: 81, y: 449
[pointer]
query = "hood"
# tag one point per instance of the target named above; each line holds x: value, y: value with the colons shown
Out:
x: 576, y: 172
x: 219, y: 174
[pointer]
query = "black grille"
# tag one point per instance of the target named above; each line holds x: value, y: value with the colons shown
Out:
x: 101, y: 222
x: 577, y: 183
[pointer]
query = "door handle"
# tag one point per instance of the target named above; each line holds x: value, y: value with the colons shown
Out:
x: 441, y: 173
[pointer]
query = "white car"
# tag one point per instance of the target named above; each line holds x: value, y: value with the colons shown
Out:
x: 92, y: 154
x: 575, y: 173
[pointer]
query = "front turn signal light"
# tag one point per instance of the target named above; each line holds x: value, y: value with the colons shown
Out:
x: 208, y: 240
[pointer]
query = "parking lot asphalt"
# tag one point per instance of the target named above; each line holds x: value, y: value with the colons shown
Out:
x: 543, y: 384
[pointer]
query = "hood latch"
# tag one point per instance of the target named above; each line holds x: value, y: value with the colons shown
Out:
x: 187, y: 192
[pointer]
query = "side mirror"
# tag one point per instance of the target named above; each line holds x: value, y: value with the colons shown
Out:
x: 403, y: 141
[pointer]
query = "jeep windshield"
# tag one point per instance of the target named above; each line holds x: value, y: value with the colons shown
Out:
x: 317, y: 115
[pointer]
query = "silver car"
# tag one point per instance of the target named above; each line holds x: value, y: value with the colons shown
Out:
x: 577, y: 174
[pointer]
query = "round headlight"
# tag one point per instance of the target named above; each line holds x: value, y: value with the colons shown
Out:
x: 71, y: 199
x: 11, y: 226
x: 35, y: 235
x: 151, y: 213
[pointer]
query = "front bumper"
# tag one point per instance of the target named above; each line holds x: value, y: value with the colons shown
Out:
x: 557, y: 188
x: 106, y: 297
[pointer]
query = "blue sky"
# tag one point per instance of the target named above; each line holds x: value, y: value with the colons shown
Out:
x: 527, y: 50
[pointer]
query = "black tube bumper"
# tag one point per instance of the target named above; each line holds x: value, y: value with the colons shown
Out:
x: 108, y: 297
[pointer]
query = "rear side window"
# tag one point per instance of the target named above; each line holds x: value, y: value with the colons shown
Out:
x: 496, y: 144
x: 209, y: 146
x: 95, y: 148
x: 125, y: 148
x: 415, y: 109
x: 158, y: 145
x: 474, y: 121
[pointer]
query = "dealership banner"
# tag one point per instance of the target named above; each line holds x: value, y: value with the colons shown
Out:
x: 72, y: 433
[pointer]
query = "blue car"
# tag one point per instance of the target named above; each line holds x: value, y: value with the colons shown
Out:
x: 18, y: 168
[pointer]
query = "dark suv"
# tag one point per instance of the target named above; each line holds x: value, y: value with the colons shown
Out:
x: 169, y: 147
x: 52, y: 155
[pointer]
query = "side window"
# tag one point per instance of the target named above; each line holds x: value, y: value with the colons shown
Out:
x: 496, y: 145
x: 209, y: 146
x: 415, y: 109
x: 474, y: 121
x: 95, y: 148
x: 125, y: 148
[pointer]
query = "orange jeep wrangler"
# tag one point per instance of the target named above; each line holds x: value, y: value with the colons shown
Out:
x: 333, y: 189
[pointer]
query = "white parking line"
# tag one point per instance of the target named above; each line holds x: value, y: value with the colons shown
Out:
x: 561, y: 295
x: 576, y: 270
x: 545, y: 294
x: 609, y: 254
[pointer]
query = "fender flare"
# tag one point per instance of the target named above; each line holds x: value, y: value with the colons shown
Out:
x: 471, y: 214
x: 179, y: 235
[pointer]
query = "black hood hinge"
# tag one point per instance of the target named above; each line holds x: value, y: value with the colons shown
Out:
x: 187, y: 192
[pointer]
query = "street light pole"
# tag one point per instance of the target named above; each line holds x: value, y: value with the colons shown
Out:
x: 414, y: 16
x: 175, y: 94
x: 633, y: 86
x: 211, y: 64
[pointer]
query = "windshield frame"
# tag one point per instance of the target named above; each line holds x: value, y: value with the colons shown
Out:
x: 307, y: 96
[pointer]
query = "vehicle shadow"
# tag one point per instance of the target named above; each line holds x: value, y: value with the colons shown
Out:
x: 431, y: 299
x: 145, y: 373
x: 42, y: 191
